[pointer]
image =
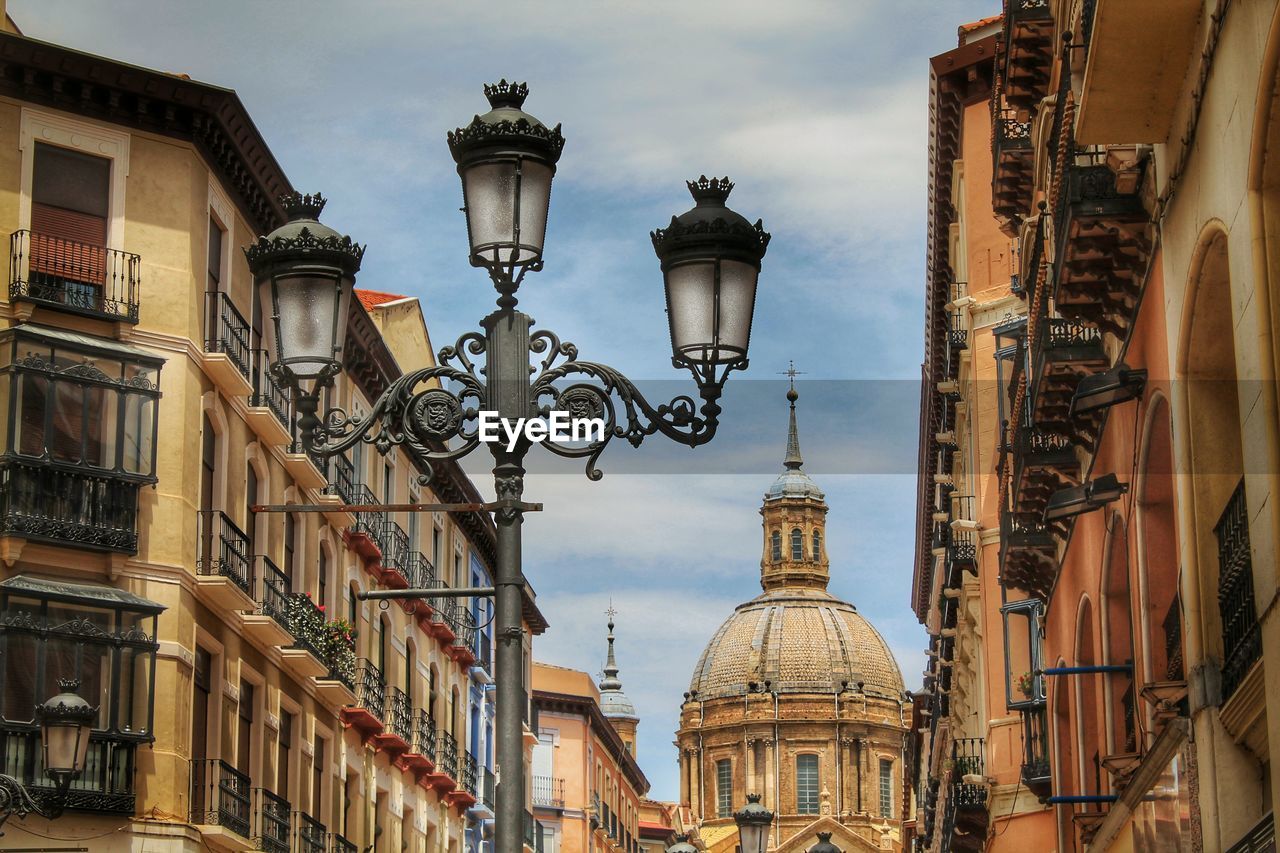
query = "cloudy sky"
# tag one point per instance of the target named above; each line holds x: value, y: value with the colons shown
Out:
x: 817, y: 110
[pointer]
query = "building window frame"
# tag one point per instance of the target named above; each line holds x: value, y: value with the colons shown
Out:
x: 808, y: 784
x: 724, y: 787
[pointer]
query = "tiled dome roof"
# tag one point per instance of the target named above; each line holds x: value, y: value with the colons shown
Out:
x: 799, y: 640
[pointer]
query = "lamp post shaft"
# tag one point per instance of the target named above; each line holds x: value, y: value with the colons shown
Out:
x: 512, y: 697
x: 508, y: 381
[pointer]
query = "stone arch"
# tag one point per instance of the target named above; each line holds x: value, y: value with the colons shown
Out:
x: 1119, y: 689
x: 1088, y: 702
x: 1064, y: 769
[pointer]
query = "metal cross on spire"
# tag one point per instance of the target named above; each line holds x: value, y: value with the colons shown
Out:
x: 791, y: 373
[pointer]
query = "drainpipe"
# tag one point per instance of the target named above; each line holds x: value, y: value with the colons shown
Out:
x: 777, y: 772
x: 857, y: 759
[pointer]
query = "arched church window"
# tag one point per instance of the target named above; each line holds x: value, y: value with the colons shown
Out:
x: 807, y: 784
x: 777, y: 545
x: 797, y: 544
x: 817, y: 545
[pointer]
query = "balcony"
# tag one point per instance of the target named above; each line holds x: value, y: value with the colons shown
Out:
x: 272, y: 822
x: 421, y: 756
x: 1013, y: 164
x: 1104, y: 243
x: 1029, y: 554
x: 463, y: 646
x: 268, y: 622
x: 220, y: 804
x: 45, y: 502
x: 482, y: 669
x: 1241, y: 636
x: 1139, y: 52
x: 304, y: 466
x: 1064, y: 352
x: 78, y: 278
x: 957, y: 332
x: 338, y: 844
x: 440, y: 619
x: 1043, y: 462
x: 464, y: 796
x: 1035, y: 752
x: 340, y: 480
x: 488, y: 787
x: 227, y: 351
x: 312, y: 835
x: 337, y: 686
x: 269, y: 412
x: 548, y: 792
x: 105, y: 785
x: 362, y: 537
x: 224, y: 568
x: 969, y: 825
x: 444, y: 778
x: 305, y: 657
x: 397, y: 732
x: 367, y: 714
x: 394, y: 543
x: 1026, y: 53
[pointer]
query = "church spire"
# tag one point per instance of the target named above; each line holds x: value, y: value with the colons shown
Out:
x: 793, y: 460
x: 794, y: 512
x: 611, y: 680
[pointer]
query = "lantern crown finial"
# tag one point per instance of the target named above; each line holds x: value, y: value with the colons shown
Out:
x: 298, y: 206
x: 710, y: 189
x: 504, y: 94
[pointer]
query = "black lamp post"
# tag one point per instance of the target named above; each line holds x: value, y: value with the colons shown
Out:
x: 753, y: 821
x: 65, y: 721
x: 710, y: 258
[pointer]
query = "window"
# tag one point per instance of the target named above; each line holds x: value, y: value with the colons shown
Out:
x: 457, y: 568
x: 244, y: 735
x: 284, y: 754
x: 251, y: 498
x: 70, y: 195
x: 817, y: 546
x: 322, y: 579
x: 290, y: 546
x: 886, y: 788
x: 79, y: 405
x: 777, y: 546
x: 724, y: 788
x: 317, y: 778
x: 797, y: 544
x: 807, y: 784
x: 216, y: 236
x: 202, y: 676
x: 353, y: 607
x: 208, y: 477
x: 435, y: 548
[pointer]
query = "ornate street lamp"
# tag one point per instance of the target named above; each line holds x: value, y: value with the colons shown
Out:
x: 710, y: 259
x: 824, y: 844
x: 753, y: 821
x: 66, y: 722
x: 305, y: 272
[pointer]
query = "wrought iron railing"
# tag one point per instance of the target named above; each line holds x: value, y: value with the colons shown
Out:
x: 548, y: 791
x: 77, y: 277
x: 424, y: 735
x: 338, y: 844
x: 223, y: 550
x: 267, y: 391
x: 371, y: 690
x: 369, y: 522
x: 105, y: 784
x: 967, y: 759
x: 470, y: 776
x: 1241, y: 638
x: 418, y: 570
x: 957, y: 332
x: 1130, y: 722
x: 272, y: 591
x: 312, y: 834
x: 394, y: 543
x: 447, y: 750
x: 272, y: 822
x: 227, y: 332
x: 306, y: 623
x: 342, y: 478
x: 1035, y: 749
x: 464, y: 629
x: 39, y: 501
x: 399, y: 718
x: 220, y: 796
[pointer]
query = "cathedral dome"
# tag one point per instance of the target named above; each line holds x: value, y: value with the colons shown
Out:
x: 800, y: 641
x: 795, y: 637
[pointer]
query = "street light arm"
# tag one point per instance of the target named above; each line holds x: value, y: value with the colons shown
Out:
x: 15, y: 799
x: 679, y: 419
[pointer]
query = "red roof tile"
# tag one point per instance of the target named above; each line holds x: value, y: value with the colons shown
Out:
x: 977, y: 25
x: 371, y: 298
